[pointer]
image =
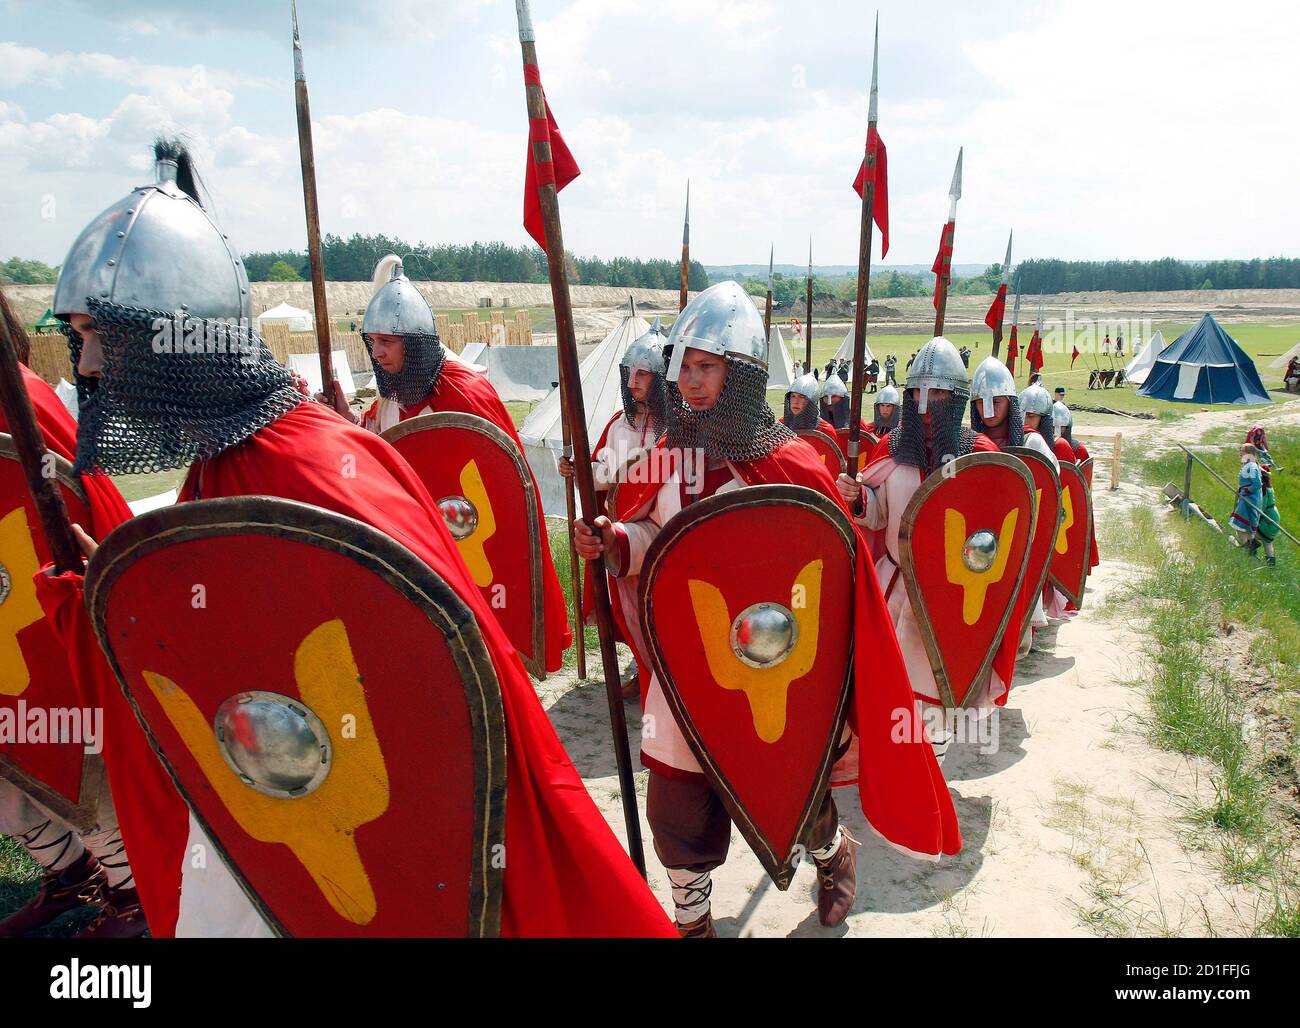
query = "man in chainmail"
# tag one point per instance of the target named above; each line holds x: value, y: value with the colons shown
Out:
x: 249, y: 432
x: 886, y: 411
x: 618, y: 456
x: 801, y: 409
x: 931, y: 433
x: 995, y: 406
x: 722, y: 436
x: 1040, y: 432
x: 835, y: 402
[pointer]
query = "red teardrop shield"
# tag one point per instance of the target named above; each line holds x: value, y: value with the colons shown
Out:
x: 764, y: 730
x: 827, y: 449
x: 1069, y: 568
x: 383, y: 690
x: 37, y: 695
x: 1086, y: 468
x: 1047, y: 492
x: 963, y: 608
x: 457, y: 454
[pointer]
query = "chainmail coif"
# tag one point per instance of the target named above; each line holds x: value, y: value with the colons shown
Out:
x: 422, y: 360
x: 949, y: 437
x: 1015, y: 420
x: 154, y: 411
x: 656, y: 402
x: 810, y: 417
x: 739, y: 427
x: 836, y: 413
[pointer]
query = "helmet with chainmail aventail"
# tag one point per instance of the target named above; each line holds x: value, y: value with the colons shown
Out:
x: 184, y: 376
x: 992, y: 379
x: 810, y: 389
x: 1063, y: 421
x: 937, y: 367
x: 646, y: 354
x: 723, y: 320
x: 1037, y: 400
x: 398, y: 309
x: 836, y: 413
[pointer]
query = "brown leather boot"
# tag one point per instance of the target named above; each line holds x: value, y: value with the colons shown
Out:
x: 838, y: 877
x: 77, y: 884
x: 700, y: 928
x: 122, y: 917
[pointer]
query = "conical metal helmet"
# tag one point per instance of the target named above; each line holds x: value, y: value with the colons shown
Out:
x: 1061, y: 416
x: 721, y: 320
x: 397, y: 308
x: 1036, y: 400
x: 888, y: 395
x: 155, y: 249
x: 991, y: 379
x: 647, y: 352
x: 834, y: 386
x: 806, y: 385
x: 938, y: 365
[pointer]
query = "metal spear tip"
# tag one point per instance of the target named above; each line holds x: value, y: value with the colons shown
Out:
x: 954, y: 191
x: 875, y: 82
x: 293, y: 10
x: 1006, y: 264
x: 525, y: 18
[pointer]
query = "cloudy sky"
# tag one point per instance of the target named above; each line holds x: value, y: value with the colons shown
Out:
x: 1095, y: 128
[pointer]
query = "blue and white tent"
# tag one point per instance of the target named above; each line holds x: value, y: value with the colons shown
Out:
x: 1205, y: 365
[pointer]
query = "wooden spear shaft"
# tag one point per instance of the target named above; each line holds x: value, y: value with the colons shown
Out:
x: 30, y: 444
x: 949, y: 233
x: 860, y: 314
x: 307, y: 154
x: 575, y: 413
x: 686, y: 253
x: 808, y: 328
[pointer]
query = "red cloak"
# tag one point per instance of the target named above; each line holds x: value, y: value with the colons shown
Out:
x: 150, y: 812
x: 902, y: 791
x: 1094, y: 558
x: 568, y: 875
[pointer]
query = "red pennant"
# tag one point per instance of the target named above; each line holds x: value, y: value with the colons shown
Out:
x: 942, y: 266
x: 1074, y: 357
x: 560, y: 169
x: 1035, y: 354
x: 998, y: 309
x: 880, y: 205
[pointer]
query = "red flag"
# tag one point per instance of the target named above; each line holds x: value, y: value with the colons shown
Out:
x: 1074, y: 357
x: 998, y: 310
x: 942, y: 266
x: 880, y: 205
x: 1035, y: 354
x: 1013, y: 351
x: 1015, y: 339
x: 560, y: 169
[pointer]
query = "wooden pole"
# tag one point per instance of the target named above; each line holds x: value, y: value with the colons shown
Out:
x: 808, y: 326
x: 864, y: 271
x: 1006, y: 277
x: 686, y: 252
x: 576, y: 419
x: 946, y: 245
x: 307, y: 156
x: 30, y: 444
x: 767, y: 306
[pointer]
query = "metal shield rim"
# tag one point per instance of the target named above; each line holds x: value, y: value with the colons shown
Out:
x: 779, y: 867
x: 536, y: 661
x: 928, y: 486
x: 1027, y: 454
x: 398, y: 567
x: 1074, y: 593
x: 83, y: 814
x: 834, y: 444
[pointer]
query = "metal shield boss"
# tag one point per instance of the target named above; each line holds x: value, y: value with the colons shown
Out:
x: 747, y: 609
x: 1068, y: 570
x: 1047, y: 502
x: 324, y: 703
x: 44, y: 726
x: 482, y: 485
x: 827, y: 449
x: 963, y: 546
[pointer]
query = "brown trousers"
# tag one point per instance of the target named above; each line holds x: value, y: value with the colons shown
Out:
x: 692, y: 829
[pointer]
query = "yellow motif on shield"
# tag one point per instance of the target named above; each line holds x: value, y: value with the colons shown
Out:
x: 1063, y: 533
x: 766, y: 688
x: 471, y: 547
x: 319, y: 828
x: 19, y: 608
x: 974, y: 584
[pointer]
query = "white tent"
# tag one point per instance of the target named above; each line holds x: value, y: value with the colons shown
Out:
x: 308, y: 366
x: 1136, y: 371
x: 1285, y: 359
x: 67, y: 392
x: 602, y: 395
x: 780, y: 368
x: 297, y: 319
x: 157, y: 502
x: 845, y: 352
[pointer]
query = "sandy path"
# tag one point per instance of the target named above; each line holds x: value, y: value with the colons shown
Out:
x: 1072, y: 825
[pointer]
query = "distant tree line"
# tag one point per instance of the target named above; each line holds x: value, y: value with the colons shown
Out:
x: 24, y: 272
x: 353, y: 260
x: 791, y: 290
x: 1052, y: 276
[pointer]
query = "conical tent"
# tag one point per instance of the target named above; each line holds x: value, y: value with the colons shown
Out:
x: 1144, y: 360
x: 542, y: 432
x: 1205, y: 365
x: 1283, y: 360
x: 780, y: 367
x: 845, y: 352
